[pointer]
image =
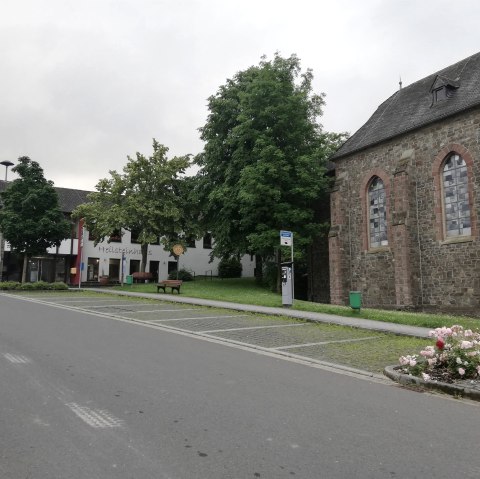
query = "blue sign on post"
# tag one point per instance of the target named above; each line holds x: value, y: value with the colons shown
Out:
x: 286, y: 238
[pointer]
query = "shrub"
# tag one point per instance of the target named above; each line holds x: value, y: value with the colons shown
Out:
x: 183, y: 275
x: 38, y: 286
x: 230, y: 268
x: 9, y: 285
x: 455, y: 355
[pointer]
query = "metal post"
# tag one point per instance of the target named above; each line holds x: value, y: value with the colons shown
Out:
x: 293, y: 273
x: 6, y: 164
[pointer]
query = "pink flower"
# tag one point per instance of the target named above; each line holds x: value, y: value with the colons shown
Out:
x: 466, y: 345
x: 412, y: 362
x: 428, y: 352
x: 461, y: 371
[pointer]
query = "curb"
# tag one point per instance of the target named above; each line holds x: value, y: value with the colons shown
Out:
x: 452, y: 389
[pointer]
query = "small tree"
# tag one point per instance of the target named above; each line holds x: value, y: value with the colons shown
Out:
x: 148, y: 198
x: 31, y: 219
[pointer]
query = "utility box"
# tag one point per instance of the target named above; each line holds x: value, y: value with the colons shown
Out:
x: 287, y: 284
x: 356, y: 300
x: 129, y: 279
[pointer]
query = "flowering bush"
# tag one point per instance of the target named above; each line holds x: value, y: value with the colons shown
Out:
x: 456, y: 355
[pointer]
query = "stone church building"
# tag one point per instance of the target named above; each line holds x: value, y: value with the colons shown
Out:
x: 406, y: 199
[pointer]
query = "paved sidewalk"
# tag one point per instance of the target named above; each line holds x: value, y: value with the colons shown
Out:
x: 292, y: 313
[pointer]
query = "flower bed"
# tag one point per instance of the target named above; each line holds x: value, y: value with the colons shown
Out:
x: 454, y: 356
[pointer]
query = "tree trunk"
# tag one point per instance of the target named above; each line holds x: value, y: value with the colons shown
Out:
x: 143, y: 264
x: 258, y: 269
x: 24, y: 270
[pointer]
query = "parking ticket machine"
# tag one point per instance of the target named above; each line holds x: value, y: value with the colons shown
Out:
x: 287, y: 284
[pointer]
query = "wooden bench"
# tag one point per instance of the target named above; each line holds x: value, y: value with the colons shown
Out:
x: 169, y: 283
x: 142, y: 276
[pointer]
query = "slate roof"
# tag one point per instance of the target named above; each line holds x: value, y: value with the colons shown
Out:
x: 68, y: 198
x: 412, y: 107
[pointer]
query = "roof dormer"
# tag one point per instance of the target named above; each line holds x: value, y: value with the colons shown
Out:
x: 443, y: 88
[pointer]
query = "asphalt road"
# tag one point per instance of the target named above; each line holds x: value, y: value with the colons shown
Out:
x: 86, y: 396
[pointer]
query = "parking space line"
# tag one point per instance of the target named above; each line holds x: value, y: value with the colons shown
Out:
x: 197, y: 317
x: 165, y: 310
x: 115, y: 305
x: 293, y: 346
x: 253, y: 327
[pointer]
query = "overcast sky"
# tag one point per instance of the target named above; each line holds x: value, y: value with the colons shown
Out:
x: 85, y: 83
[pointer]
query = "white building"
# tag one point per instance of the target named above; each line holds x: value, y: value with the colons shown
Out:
x: 78, y: 259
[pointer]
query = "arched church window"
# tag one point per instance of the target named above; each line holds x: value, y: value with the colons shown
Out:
x: 456, y: 203
x: 377, y: 213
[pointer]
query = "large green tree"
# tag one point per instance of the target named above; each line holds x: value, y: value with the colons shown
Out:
x: 30, y: 217
x: 264, y: 161
x: 148, y: 198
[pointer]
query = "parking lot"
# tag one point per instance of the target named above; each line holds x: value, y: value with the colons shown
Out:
x: 356, y: 350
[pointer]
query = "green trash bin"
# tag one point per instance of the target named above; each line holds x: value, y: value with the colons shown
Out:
x: 356, y: 300
x: 129, y: 279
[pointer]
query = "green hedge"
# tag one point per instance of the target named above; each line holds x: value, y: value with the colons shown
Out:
x: 183, y: 274
x: 38, y: 286
x: 230, y: 268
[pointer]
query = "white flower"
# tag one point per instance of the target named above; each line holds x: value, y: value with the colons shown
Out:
x: 426, y: 377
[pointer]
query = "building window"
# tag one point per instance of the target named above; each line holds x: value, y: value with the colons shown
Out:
x: 134, y: 266
x: 172, y: 267
x: 207, y: 241
x: 92, y: 269
x: 439, y: 94
x: 190, y: 241
x: 377, y: 213
x: 455, y: 197
x: 134, y: 237
x: 115, y: 237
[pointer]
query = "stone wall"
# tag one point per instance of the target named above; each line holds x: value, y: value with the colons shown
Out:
x: 420, y: 268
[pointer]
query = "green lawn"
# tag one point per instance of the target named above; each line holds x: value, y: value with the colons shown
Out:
x: 246, y: 291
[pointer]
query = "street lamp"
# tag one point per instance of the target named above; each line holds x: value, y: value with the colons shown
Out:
x: 6, y: 164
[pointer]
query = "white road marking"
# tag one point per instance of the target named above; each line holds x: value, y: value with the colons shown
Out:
x: 122, y: 305
x: 294, y: 346
x: 197, y: 317
x: 96, y: 418
x: 16, y: 358
x: 162, y: 311
x: 254, y: 327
